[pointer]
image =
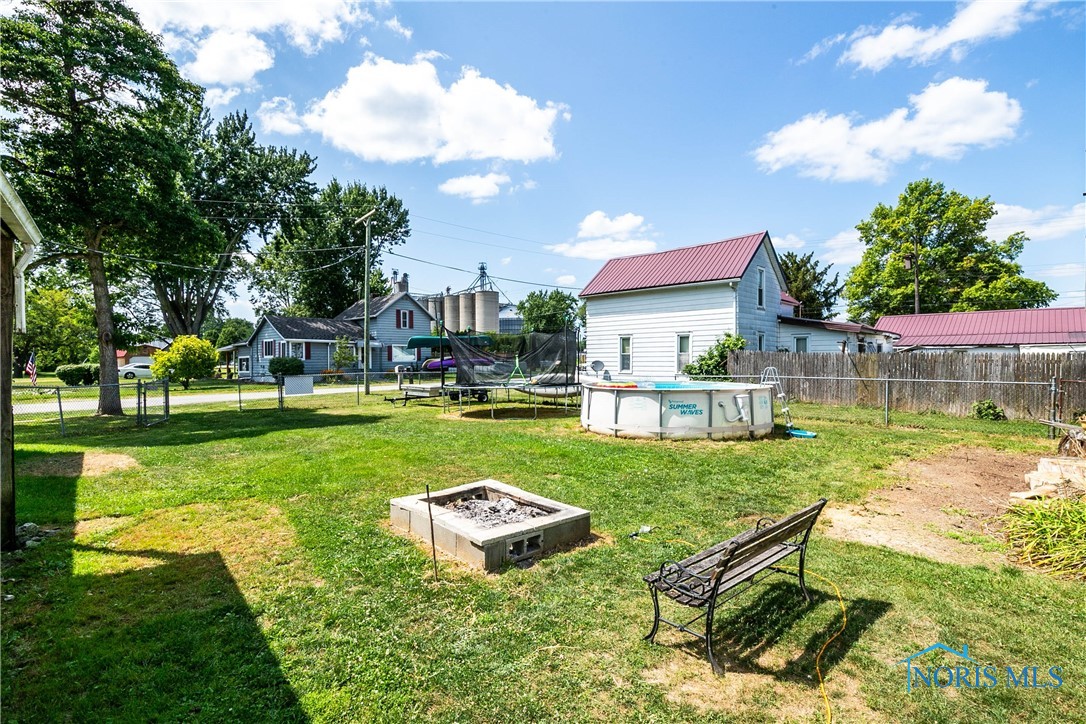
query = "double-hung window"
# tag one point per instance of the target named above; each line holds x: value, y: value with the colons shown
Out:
x: 624, y: 354
x: 682, y: 352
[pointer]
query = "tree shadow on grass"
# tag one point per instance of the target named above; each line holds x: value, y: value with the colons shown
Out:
x: 191, y: 427
x: 748, y: 627
x: 170, y: 638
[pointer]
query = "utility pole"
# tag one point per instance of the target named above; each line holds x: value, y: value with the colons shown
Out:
x: 365, y: 218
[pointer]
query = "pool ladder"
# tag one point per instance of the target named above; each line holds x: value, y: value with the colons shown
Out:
x: 771, y: 377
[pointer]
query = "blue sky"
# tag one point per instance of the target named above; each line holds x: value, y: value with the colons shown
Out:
x: 545, y: 138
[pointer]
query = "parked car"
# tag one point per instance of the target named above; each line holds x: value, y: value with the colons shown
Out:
x: 133, y: 370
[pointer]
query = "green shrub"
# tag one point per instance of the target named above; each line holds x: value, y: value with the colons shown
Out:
x: 81, y: 374
x: 286, y: 366
x: 1050, y: 535
x: 188, y: 358
x: 714, y: 361
x: 987, y: 410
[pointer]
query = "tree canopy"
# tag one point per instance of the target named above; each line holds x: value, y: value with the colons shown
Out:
x: 809, y: 283
x: 91, y: 111
x: 315, y: 265
x: 959, y: 267
x: 550, y: 311
x: 239, y: 188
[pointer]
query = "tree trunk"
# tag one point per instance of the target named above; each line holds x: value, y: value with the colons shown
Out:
x: 7, y: 422
x: 109, y: 393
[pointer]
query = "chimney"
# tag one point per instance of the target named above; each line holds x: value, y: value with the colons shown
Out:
x: 399, y: 285
x: 395, y: 276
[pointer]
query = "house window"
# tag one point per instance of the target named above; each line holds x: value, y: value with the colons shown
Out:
x: 682, y: 348
x: 243, y: 364
x: 761, y: 290
x: 624, y: 356
x: 400, y: 354
x: 269, y: 348
x: 801, y: 344
x: 405, y: 319
x: 761, y: 341
x: 297, y: 349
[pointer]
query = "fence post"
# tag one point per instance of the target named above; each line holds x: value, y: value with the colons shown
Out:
x: 141, y: 401
x: 886, y: 402
x: 60, y: 410
x: 166, y: 399
x: 357, y: 389
x: 1052, y: 408
x: 239, y: 394
x: 279, y: 386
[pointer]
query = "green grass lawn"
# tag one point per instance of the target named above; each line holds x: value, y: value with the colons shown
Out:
x: 241, y: 568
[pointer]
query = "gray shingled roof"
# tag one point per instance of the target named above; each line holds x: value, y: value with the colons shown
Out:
x: 377, y: 305
x: 313, y: 328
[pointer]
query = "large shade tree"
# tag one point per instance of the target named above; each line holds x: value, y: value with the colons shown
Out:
x: 315, y: 265
x: 810, y: 284
x: 241, y: 189
x: 940, y: 236
x: 91, y: 111
x: 549, y: 311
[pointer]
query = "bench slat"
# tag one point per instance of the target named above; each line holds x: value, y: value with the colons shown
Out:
x: 732, y: 578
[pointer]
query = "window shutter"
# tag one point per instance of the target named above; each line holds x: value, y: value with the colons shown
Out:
x: 308, y: 352
x: 411, y: 319
x: 397, y: 319
x: 418, y: 353
x: 390, y: 353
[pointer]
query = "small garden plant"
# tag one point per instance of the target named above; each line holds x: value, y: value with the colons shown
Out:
x: 987, y: 410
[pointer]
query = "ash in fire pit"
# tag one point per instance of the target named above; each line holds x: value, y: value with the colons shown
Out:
x: 492, y: 513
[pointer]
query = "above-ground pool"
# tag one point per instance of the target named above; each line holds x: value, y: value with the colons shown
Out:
x: 677, y: 410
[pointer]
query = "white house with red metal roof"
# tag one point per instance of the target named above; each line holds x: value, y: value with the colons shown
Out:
x: 1059, y: 329
x: 649, y: 315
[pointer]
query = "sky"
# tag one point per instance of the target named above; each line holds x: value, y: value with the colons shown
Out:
x: 546, y: 138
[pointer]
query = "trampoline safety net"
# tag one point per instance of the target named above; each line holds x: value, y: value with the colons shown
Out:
x: 537, y: 359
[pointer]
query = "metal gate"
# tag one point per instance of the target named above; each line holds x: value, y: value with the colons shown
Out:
x: 152, y: 402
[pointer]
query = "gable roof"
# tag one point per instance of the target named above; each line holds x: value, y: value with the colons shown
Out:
x: 1060, y: 325
x: 377, y: 306
x: 308, y: 328
x: 717, y: 261
x: 789, y: 300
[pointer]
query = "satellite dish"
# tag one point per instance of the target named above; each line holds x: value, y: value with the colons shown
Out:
x: 597, y: 367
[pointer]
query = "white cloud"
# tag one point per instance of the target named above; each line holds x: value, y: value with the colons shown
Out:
x: 603, y: 237
x: 307, y: 25
x: 973, y: 23
x: 279, y: 116
x: 945, y: 120
x: 566, y: 280
x: 229, y: 57
x: 1046, y: 223
x: 395, y: 26
x: 215, y: 32
x: 1060, y: 271
x: 505, y: 260
x: 477, y: 188
x: 821, y: 47
x: 844, y: 248
x: 789, y: 241
x: 392, y: 112
x: 215, y: 97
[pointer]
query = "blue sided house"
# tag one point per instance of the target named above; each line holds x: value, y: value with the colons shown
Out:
x: 394, y: 319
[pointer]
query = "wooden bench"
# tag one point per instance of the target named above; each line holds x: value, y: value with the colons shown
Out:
x: 718, y: 574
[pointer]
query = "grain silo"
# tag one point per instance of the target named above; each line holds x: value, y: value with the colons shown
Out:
x: 451, y: 305
x: 435, y: 307
x: 467, y: 310
x: 486, y: 311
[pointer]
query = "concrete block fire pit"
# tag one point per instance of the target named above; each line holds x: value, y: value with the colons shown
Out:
x: 488, y: 523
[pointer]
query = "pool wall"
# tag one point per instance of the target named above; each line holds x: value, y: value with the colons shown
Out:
x: 678, y: 410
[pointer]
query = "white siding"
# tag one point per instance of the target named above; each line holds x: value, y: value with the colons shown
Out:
x: 752, y: 318
x: 826, y: 340
x: 653, y: 319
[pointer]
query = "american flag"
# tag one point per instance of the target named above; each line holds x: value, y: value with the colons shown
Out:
x: 32, y: 370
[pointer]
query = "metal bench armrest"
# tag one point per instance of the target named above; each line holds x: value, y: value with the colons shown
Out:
x: 763, y: 521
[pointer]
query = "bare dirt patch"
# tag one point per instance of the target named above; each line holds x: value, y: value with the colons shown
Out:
x: 691, y: 682
x: 944, y: 507
x: 74, y: 465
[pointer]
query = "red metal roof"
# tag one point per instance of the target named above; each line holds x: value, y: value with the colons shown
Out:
x: 719, y: 260
x: 1004, y: 327
x: 788, y: 299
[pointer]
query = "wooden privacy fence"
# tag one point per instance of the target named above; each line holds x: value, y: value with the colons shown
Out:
x: 1026, y: 386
